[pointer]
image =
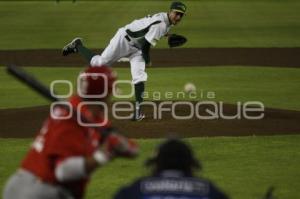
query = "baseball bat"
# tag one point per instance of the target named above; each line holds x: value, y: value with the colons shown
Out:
x: 40, y: 88
x: 36, y: 85
x: 31, y: 81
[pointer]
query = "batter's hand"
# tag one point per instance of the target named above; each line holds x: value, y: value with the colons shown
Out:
x: 117, y: 145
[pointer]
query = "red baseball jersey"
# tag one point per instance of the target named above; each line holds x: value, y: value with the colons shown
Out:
x: 61, y: 139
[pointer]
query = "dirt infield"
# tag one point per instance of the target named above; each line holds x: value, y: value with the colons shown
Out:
x: 275, y: 121
x: 284, y: 57
x: 14, y: 124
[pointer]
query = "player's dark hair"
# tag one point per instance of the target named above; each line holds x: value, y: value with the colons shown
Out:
x: 174, y: 154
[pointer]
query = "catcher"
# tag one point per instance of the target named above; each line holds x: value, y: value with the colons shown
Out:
x: 172, y: 176
x: 133, y: 42
x: 65, y: 153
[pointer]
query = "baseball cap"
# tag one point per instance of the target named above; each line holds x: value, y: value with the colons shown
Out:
x: 178, y: 7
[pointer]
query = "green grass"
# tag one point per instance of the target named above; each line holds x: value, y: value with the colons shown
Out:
x: 275, y: 87
x: 243, y: 166
x: 222, y: 23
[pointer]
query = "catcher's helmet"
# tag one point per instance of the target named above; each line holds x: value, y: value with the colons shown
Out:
x: 96, y: 82
x: 174, y: 154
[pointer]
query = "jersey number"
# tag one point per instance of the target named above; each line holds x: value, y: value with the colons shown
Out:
x: 39, y: 141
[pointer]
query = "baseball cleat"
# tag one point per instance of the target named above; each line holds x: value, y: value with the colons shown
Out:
x: 138, y: 117
x: 72, y: 46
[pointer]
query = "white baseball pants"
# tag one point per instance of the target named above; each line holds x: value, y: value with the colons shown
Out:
x: 120, y: 47
x: 24, y: 185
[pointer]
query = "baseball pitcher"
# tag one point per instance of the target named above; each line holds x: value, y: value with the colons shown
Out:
x: 133, y: 41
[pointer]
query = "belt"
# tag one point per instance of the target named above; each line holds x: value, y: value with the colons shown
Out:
x: 127, y: 38
x: 131, y: 42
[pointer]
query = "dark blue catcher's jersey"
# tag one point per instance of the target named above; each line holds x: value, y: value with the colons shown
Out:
x: 170, y: 185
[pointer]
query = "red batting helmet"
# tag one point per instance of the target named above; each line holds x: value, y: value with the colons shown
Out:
x: 96, y: 82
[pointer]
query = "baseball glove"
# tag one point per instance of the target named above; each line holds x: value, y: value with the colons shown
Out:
x: 176, y: 40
